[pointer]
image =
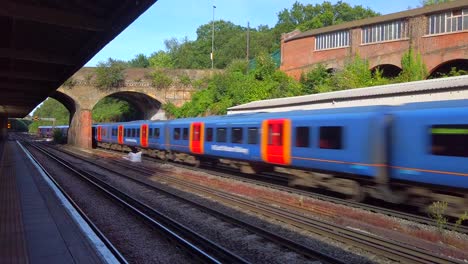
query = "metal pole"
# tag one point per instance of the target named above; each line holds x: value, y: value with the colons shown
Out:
x: 212, y: 40
x: 248, y: 40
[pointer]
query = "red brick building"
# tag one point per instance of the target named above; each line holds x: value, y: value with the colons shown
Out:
x: 438, y: 32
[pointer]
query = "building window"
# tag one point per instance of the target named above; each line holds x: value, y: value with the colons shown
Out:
x: 447, y: 22
x: 449, y: 140
x: 302, y: 137
x: 209, y: 134
x: 332, y: 40
x: 221, y: 135
x: 252, y: 136
x: 331, y: 137
x: 236, y: 135
x: 384, y: 32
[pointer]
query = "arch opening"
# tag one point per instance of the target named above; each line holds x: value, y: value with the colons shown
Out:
x: 388, y: 70
x: 127, y: 106
x: 450, y: 68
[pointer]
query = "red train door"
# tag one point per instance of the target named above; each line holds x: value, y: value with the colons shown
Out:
x: 120, y: 134
x: 197, y: 137
x: 99, y: 135
x: 276, y: 141
x: 144, y: 135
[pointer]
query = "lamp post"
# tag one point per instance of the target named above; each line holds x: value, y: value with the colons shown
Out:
x: 212, y: 40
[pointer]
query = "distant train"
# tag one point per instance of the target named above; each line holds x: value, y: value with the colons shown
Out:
x: 413, y: 154
x: 48, y: 131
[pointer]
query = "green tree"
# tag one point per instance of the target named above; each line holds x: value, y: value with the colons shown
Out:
x: 109, y: 74
x: 50, y: 108
x: 434, y: 2
x: 236, y: 86
x: 140, y: 61
x: 111, y: 109
x: 161, y: 59
x: 308, y: 16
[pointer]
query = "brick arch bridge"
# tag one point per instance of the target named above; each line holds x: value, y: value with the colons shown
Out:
x: 79, y: 95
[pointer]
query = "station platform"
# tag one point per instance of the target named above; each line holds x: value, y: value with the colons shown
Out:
x: 35, y: 226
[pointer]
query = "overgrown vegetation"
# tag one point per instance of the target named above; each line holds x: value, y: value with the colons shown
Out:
x: 160, y: 79
x: 69, y: 83
x: 58, y: 137
x: 437, y: 211
x: 113, y: 110
x: 109, y: 74
x: 236, y: 86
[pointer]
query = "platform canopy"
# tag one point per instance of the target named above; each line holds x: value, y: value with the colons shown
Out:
x: 43, y: 42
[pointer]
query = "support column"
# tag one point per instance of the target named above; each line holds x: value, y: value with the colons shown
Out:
x: 80, y: 133
x: 3, y: 127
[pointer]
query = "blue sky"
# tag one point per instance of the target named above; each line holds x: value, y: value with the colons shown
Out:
x: 180, y: 18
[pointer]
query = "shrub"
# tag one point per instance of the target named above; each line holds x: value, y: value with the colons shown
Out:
x: 160, y: 79
x: 109, y: 75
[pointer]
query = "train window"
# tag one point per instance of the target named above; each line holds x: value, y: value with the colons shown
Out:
x: 156, y: 132
x: 196, y: 133
x: 275, y: 134
x: 185, y: 134
x: 150, y: 133
x: 302, y: 137
x: 125, y: 132
x: 133, y: 132
x: 137, y: 133
x: 221, y: 135
x: 176, y: 133
x: 209, y: 134
x: 331, y: 137
x: 236, y: 135
x: 449, y: 140
x: 252, y: 135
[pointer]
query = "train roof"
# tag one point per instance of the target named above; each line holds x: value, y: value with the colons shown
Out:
x: 63, y: 126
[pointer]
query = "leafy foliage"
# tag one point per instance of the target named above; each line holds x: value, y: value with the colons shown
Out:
x: 434, y: 2
x: 319, y: 76
x: 69, y: 83
x: 140, y: 61
x: 50, y: 108
x: 113, y: 110
x: 160, y: 79
x: 413, y: 67
x: 234, y: 87
x: 58, y: 136
x: 161, y: 59
x: 109, y: 74
x: 306, y: 17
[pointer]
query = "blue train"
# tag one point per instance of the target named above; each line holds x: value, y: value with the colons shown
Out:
x: 48, y: 131
x: 414, y: 154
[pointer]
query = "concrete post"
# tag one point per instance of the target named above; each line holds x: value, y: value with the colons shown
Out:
x: 3, y: 127
x: 80, y: 133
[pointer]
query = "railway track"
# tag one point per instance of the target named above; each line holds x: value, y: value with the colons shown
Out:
x: 378, y: 245
x: 281, y: 185
x: 204, y: 250
x: 309, y: 253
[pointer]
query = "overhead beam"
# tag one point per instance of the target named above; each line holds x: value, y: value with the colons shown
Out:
x: 51, y: 16
x: 35, y: 57
x: 26, y: 76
